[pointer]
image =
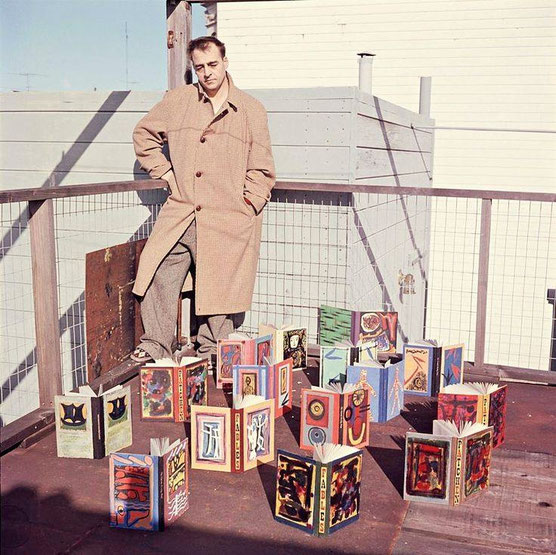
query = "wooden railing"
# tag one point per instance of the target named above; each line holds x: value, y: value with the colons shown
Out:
x: 42, y: 237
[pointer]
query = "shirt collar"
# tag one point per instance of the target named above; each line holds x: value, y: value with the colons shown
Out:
x: 233, y: 94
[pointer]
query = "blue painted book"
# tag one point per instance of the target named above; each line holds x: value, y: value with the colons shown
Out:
x: 385, y: 387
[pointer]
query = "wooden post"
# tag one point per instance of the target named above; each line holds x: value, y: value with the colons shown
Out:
x: 482, y: 286
x: 45, y: 297
x: 178, y: 24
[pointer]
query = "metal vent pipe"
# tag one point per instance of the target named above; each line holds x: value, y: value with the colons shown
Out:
x: 366, y: 72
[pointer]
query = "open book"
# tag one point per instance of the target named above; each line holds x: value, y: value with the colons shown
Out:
x: 335, y: 359
x: 475, y: 402
x: 288, y: 342
x: 149, y: 492
x: 322, y: 494
x: 429, y: 367
x: 335, y: 413
x: 271, y: 381
x: 239, y: 348
x: 169, y: 388
x: 233, y: 439
x: 339, y: 324
x: 90, y: 425
x: 385, y: 384
x: 449, y: 465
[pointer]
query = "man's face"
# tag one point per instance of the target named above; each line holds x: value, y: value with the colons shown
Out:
x: 210, y: 68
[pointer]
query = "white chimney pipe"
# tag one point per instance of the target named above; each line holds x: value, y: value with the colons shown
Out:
x: 365, y: 72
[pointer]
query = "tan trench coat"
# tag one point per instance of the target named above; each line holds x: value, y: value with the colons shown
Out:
x: 217, y: 161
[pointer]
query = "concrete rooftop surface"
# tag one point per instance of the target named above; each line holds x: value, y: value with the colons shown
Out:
x: 57, y: 505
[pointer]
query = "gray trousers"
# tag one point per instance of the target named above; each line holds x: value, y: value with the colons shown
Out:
x: 159, y: 306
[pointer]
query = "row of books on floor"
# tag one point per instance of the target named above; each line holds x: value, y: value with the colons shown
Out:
x: 318, y: 494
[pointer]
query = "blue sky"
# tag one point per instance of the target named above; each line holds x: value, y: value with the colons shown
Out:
x: 80, y: 45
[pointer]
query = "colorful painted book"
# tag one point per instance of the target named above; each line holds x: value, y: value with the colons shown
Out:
x: 149, y: 492
x: 484, y: 403
x: 287, y: 342
x: 385, y: 387
x: 170, y: 388
x: 239, y: 348
x: 270, y: 381
x: 429, y: 367
x: 334, y: 414
x: 233, y: 439
x: 322, y: 494
x: 90, y: 425
x: 377, y: 326
x: 449, y: 465
x: 334, y: 360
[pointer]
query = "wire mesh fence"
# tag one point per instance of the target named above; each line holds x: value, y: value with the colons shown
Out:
x: 18, y: 364
x: 417, y: 255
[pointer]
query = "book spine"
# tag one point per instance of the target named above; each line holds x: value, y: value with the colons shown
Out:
x: 341, y: 401
x: 355, y: 327
x: 322, y: 527
x: 97, y: 408
x: 181, y: 410
x: 436, y: 370
x: 159, y: 497
x: 458, y: 472
x: 485, y: 404
x: 237, y: 419
x: 383, y: 397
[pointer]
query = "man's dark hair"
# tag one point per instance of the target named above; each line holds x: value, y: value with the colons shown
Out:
x: 202, y: 43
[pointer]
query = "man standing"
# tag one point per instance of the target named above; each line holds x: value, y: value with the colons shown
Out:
x: 220, y: 172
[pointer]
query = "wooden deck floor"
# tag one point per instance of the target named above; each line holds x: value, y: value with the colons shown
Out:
x: 52, y: 505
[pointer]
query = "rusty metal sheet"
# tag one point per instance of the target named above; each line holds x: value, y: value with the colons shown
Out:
x: 113, y: 322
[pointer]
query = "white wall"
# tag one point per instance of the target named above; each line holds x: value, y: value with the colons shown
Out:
x: 492, y: 64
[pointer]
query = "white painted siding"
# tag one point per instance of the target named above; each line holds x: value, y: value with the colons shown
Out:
x: 493, y: 65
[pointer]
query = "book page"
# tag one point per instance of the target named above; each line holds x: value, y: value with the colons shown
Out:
x: 165, y: 362
x: 85, y: 390
x: 460, y: 389
x: 445, y: 428
x: 328, y: 452
x: 371, y: 363
x: 238, y: 335
x: 242, y: 401
x: 159, y: 446
x: 484, y: 387
x: 115, y: 388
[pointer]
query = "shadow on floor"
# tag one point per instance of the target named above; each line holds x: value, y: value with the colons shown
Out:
x: 55, y: 524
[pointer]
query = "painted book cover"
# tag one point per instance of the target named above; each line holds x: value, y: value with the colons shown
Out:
x: 175, y: 462
x: 233, y: 439
x: 292, y: 343
x: 449, y: 465
x: 319, y: 495
x: 385, y: 387
x: 78, y: 434
x: 251, y: 380
x: 428, y: 468
x: 334, y: 325
x: 475, y: 402
x: 451, y: 365
x: 282, y: 386
x: 335, y: 414
x: 135, y: 492
x: 169, y: 388
x: 419, y: 366
x: 230, y: 353
x: 334, y: 361
x: 117, y: 419
x: 90, y: 425
x: 376, y: 326
x: 263, y: 349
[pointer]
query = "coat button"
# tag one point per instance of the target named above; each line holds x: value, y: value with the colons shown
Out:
x: 199, y: 174
x: 198, y: 208
x: 203, y: 139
